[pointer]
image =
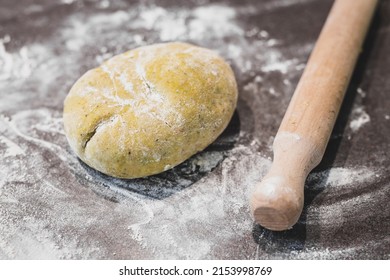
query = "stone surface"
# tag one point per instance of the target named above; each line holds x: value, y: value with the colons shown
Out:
x: 52, y: 206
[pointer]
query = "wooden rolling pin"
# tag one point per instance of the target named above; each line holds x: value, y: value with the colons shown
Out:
x: 300, y: 143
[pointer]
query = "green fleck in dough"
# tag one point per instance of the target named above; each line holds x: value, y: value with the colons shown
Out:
x: 149, y: 109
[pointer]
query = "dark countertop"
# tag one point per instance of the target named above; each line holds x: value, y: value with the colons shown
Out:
x: 53, y: 206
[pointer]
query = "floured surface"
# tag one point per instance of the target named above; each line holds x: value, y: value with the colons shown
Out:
x: 53, y: 206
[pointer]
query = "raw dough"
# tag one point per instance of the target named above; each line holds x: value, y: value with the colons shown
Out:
x: 149, y: 109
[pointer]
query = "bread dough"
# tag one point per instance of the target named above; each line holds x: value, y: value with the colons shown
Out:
x: 149, y: 109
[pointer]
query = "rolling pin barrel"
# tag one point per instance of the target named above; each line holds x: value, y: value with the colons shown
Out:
x: 303, y: 135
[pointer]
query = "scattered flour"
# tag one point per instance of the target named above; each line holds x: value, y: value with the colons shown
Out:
x: 339, y: 176
x: 51, y: 206
x: 14, y: 65
x: 272, y: 5
x: 342, y: 177
x: 275, y: 63
x: 360, y: 118
x: 12, y: 149
x: 207, y: 161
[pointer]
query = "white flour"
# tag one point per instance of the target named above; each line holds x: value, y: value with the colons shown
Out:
x: 53, y: 207
x: 209, y: 202
x: 17, y: 65
x: 342, y: 177
x: 359, y: 116
x: 360, y: 119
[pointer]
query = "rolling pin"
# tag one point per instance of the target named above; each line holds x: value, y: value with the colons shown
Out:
x: 299, y: 145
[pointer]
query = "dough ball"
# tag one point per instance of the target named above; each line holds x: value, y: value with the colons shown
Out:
x: 149, y: 109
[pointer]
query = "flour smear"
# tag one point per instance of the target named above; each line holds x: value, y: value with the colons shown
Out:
x: 52, y: 206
